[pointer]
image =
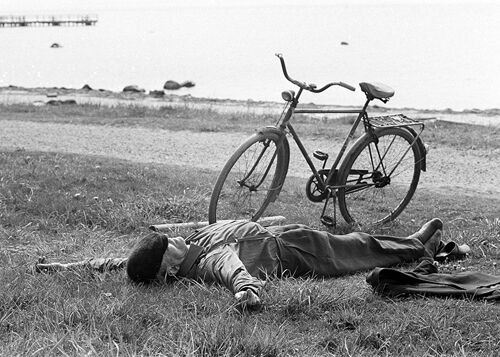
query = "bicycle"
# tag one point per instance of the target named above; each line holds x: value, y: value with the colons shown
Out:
x: 373, y: 184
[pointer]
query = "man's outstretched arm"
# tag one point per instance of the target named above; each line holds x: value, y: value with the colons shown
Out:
x: 97, y: 264
x: 225, y: 267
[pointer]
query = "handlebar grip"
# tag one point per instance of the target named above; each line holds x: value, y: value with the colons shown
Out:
x: 347, y: 86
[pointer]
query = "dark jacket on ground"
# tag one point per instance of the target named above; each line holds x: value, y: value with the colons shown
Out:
x: 426, y: 281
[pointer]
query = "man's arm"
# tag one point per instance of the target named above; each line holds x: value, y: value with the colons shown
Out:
x: 98, y: 264
x: 223, y: 266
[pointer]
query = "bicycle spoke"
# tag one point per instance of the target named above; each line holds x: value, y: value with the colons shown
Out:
x: 382, y: 193
x: 250, y: 183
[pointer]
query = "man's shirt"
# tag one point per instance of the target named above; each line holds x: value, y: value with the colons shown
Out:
x: 235, y: 254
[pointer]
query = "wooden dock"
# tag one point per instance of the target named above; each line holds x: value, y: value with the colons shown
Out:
x: 48, y: 20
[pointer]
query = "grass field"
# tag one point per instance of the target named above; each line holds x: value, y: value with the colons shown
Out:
x: 69, y: 207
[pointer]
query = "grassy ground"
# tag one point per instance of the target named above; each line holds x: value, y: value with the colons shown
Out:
x: 68, y: 207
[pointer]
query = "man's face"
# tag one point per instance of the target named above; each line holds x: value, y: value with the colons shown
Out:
x: 172, y: 258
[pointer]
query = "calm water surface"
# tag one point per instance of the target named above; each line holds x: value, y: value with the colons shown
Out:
x: 435, y: 54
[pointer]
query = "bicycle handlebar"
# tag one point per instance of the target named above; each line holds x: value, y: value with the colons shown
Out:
x: 310, y: 87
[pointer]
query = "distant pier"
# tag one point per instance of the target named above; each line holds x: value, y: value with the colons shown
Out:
x: 48, y: 20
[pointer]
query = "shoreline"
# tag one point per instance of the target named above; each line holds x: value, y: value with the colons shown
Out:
x: 41, y: 95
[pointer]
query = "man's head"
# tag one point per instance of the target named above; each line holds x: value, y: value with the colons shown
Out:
x: 145, y: 259
x: 156, y: 256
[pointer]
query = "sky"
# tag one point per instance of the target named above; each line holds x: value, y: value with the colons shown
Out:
x: 45, y: 6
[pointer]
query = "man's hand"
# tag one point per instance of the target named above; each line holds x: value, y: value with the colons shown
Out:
x: 248, y: 300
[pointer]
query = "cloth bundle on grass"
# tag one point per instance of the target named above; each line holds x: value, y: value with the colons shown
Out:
x: 425, y: 280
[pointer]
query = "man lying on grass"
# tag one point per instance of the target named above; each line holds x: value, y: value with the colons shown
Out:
x: 240, y: 255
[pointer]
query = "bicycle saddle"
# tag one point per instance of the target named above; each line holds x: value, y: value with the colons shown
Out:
x: 377, y: 90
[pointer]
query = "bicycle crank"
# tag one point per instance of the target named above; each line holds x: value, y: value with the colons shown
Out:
x: 329, y: 221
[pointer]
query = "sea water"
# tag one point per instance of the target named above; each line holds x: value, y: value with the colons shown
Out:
x: 435, y: 54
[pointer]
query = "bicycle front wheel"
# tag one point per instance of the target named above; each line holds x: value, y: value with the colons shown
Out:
x: 251, y: 179
x: 379, y: 176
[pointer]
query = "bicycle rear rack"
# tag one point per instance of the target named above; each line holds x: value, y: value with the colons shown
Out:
x: 390, y: 121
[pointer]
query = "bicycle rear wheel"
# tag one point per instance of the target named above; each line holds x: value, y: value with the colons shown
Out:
x: 251, y: 179
x: 379, y: 176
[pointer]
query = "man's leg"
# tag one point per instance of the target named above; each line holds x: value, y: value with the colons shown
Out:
x: 306, y: 251
x: 427, y: 230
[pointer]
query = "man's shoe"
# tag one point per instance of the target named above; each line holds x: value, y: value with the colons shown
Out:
x: 452, y: 251
x: 427, y: 230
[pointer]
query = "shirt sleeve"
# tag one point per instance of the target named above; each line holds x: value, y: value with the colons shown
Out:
x: 100, y: 264
x: 223, y: 266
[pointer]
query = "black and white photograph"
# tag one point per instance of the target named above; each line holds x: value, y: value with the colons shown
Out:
x: 249, y: 178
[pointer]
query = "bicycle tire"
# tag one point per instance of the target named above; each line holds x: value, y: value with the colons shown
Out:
x: 243, y: 193
x: 369, y: 193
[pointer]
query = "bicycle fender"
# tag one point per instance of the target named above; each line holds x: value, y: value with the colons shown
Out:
x: 279, y: 133
x: 285, y: 147
x: 421, y: 147
x: 270, y: 129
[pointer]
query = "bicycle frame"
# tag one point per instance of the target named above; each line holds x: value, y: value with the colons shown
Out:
x: 369, y: 162
x: 284, y: 123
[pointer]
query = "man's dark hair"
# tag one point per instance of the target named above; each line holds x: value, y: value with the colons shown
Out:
x: 145, y: 260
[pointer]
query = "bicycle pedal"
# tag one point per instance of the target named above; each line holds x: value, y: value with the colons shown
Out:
x: 320, y: 155
x: 328, y: 221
